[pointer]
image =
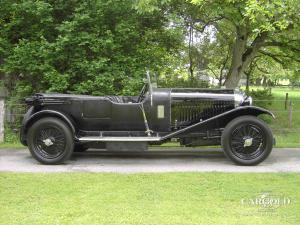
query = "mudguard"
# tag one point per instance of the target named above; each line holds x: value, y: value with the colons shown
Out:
x: 31, y: 117
x: 221, y: 120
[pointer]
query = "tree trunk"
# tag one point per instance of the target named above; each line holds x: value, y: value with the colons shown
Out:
x: 222, y: 69
x: 220, y: 80
x: 258, y: 82
x: 234, y: 73
x: 242, y: 55
x: 191, y: 67
x: 264, y: 83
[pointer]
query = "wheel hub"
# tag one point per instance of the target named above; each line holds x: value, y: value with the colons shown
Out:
x: 48, y: 142
x: 248, y: 142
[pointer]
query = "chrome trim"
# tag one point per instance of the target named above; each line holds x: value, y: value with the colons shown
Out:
x: 248, y: 142
x: 250, y: 100
x: 48, y: 142
x: 239, y: 98
x: 150, y: 87
x: 201, y: 95
x: 144, y: 139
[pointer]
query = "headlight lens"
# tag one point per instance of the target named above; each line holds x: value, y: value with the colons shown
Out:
x: 241, y: 99
x: 238, y: 99
x: 248, y: 101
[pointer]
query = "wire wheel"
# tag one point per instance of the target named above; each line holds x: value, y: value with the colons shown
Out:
x: 50, y: 142
x: 247, y: 141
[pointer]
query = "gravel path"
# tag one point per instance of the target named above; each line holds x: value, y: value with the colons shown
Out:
x: 179, y: 160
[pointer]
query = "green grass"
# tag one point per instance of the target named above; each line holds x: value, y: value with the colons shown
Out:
x: 171, y: 198
x: 286, y: 133
x: 287, y: 140
x: 4, y: 145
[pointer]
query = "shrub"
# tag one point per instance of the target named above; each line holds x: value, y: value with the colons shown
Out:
x: 10, y: 135
x: 261, y: 97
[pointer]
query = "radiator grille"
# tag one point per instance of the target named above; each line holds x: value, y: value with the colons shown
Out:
x: 185, y: 113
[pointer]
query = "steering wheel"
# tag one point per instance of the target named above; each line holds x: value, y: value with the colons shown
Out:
x: 142, y: 93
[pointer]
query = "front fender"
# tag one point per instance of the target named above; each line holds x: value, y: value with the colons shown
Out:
x: 31, y: 117
x: 250, y: 110
x: 221, y: 120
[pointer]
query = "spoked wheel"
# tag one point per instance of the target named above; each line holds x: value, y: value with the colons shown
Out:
x: 50, y: 141
x: 247, y: 140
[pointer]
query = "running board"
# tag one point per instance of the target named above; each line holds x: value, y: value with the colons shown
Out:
x: 133, y: 139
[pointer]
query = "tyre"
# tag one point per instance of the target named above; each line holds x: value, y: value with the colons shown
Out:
x: 80, y: 148
x: 247, y: 140
x: 50, y: 141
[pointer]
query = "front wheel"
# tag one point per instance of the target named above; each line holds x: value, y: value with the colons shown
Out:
x: 50, y: 141
x: 247, y: 140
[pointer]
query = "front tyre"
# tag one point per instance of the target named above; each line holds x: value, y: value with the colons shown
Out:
x: 247, y: 140
x: 50, y: 141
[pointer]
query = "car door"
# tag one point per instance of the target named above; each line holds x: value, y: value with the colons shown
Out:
x: 127, y: 117
x: 96, y: 114
x: 158, y: 110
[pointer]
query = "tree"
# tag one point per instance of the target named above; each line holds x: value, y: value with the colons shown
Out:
x: 87, y: 47
x: 254, y: 25
x: 249, y: 28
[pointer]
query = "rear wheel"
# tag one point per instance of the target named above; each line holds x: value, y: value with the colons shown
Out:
x: 50, y: 141
x: 247, y: 140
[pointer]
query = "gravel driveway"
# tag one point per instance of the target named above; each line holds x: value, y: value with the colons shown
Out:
x: 158, y: 160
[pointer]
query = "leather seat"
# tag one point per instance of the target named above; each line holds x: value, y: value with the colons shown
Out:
x: 116, y: 99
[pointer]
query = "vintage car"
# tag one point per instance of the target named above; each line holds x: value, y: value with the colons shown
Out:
x: 58, y: 124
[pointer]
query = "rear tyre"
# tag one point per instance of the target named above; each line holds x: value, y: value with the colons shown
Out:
x: 50, y: 141
x: 247, y: 140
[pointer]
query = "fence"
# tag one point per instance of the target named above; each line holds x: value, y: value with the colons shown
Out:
x: 11, y: 115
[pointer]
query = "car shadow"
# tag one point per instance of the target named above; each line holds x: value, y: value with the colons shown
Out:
x: 153, y: 153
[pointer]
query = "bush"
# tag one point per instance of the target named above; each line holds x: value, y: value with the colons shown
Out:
x: 182, y: 83
x: 10, y: 135
x: 261, y: 97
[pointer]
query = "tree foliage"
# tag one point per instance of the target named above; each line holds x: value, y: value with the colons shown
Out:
x: 250, y: 27
x: 104, y: 46
x: 88, y: 47
x: 244, y: 30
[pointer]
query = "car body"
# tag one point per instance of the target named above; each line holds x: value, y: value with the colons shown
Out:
x: 58, y: 124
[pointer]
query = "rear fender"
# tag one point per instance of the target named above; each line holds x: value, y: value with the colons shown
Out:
x: 31, y: 118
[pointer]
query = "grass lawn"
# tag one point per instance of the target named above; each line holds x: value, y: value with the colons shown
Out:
x: 4, y: 145
x: 170, y: 198
x: 285, y: 132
